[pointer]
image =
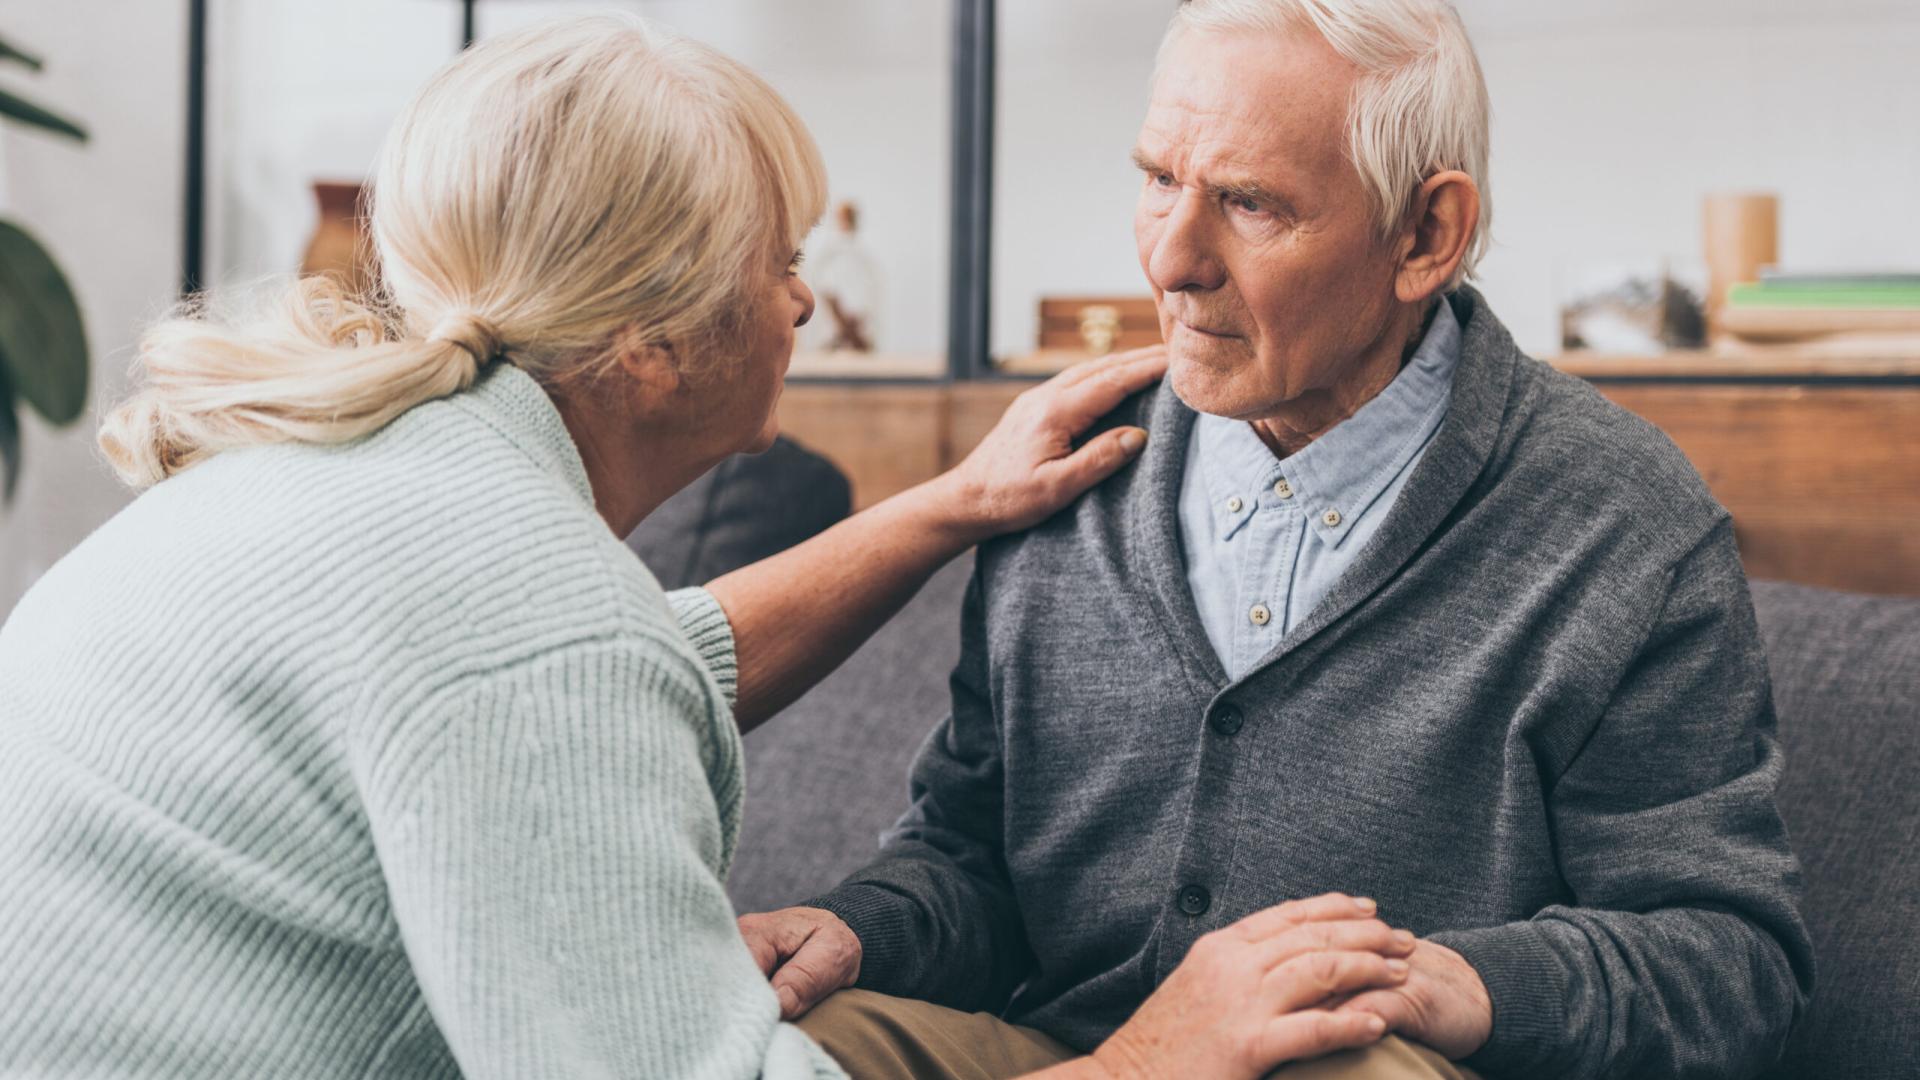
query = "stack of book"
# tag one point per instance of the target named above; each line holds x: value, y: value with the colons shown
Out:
x: 1842, y: 313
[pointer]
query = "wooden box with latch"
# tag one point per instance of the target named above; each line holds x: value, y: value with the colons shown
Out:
x: 1074, y: 328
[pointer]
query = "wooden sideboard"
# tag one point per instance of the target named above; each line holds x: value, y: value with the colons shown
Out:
x: 1818, y: 459
x: 888, y: 437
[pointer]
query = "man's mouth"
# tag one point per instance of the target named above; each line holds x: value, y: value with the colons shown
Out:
x: 1206, y: 331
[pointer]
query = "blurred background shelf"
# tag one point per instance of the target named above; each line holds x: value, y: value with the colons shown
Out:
x: 1820, y: 361
x: 1815, y: 455
x: 859, y: 365
x: 1811, y: 362
x: 1040, y: 363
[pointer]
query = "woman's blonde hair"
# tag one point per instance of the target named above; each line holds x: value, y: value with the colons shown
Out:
x: 545, y: 191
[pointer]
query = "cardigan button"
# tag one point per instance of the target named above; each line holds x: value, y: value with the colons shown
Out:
x: 1227, y: 720
x: 1195, y: 900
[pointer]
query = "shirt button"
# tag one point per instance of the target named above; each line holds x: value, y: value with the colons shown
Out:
x: 1260, y: 615
x: 1331, y: 517
x: 1283, y: 489
x: 1227, y: 721
x: 1234, y: 504
x: 1195, y: 900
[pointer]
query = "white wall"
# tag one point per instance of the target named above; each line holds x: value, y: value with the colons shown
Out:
x: 1612, y: 118
x: 299, y: 92
x: 870, y: 77
x: 1072, y: 89
x: 1607, y: 135
x: 110, y: 213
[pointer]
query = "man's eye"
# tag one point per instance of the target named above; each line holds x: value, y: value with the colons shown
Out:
x: 1246, y: 205
x: 1163, y: 180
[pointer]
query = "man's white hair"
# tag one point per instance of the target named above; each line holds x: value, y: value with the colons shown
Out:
x: 1419, y: 107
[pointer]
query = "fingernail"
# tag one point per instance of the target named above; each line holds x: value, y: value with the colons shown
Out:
x: 1397, y: 968
x: 1403, y: 938
x: 789, y: 1001
x: 1376, y: 1025
x: 1365, y: 904
x: 1132, y: 440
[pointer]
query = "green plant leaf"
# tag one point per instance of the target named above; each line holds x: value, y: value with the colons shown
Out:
x: 28, y: 113
x: 9, y: 441
x: 10, y: 51
x: 43, y: 345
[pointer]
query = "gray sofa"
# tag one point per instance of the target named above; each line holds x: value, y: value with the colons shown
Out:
x: 827, y: 775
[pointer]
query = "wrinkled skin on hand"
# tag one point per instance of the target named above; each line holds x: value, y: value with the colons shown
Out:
x: 806, y: 953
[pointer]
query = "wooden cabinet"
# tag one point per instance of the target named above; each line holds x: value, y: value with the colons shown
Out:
x: 889, y: 437
x: 1818, y: 462
x: 886, y: 438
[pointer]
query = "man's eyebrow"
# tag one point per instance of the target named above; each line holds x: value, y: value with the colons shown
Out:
x: 1251, y: 190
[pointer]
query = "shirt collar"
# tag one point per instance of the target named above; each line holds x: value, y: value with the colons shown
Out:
x: 1336, y: 479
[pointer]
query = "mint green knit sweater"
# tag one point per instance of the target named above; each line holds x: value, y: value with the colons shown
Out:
x: 386, y: 759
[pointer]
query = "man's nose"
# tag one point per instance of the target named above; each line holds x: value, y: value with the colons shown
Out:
x: 1184, y: 255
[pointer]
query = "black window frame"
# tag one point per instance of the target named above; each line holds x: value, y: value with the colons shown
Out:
x: 969, y: 301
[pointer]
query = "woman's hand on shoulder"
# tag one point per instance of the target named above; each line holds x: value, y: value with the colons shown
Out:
x: 1028, y: 468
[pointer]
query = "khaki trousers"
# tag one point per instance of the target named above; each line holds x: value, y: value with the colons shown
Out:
x: 876, y: 1037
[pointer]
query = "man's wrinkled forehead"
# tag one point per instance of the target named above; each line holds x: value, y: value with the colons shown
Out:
x: 1259, y: 102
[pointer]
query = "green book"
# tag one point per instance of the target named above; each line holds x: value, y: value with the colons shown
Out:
x: 1846, y: 279
x: 1834, y: 294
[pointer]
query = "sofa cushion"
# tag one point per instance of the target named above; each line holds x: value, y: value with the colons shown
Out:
x: 1846, y: 685
x: 829, y: 774
x: 744, y: 509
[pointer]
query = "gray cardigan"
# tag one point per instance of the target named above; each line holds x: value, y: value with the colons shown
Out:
x: 1533, y: 720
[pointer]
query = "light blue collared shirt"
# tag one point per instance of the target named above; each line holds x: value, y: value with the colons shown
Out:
x: 1267, y: 538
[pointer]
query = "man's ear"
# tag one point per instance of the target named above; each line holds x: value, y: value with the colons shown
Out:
x: 1444, y: 215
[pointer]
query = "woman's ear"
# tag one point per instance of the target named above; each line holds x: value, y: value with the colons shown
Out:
x: 1445, y: 214
x: 649, y: 370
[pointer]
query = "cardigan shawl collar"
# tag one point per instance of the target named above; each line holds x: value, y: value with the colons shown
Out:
x: 1459, y: 453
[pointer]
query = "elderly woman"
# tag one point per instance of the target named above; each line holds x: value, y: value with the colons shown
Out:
x: 359, y: 744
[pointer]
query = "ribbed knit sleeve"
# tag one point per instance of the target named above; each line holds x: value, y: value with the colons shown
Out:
x: 377, y: 759
x: 548, y: 834
x: 1683, y: 952
x: 705, y: 624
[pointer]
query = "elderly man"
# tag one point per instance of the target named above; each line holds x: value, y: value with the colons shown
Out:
x: 1386, y: 608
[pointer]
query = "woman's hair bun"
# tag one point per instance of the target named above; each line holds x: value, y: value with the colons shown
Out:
x: 472, y: 333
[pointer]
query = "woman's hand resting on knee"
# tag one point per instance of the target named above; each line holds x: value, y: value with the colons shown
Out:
x: 1255, y: 995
